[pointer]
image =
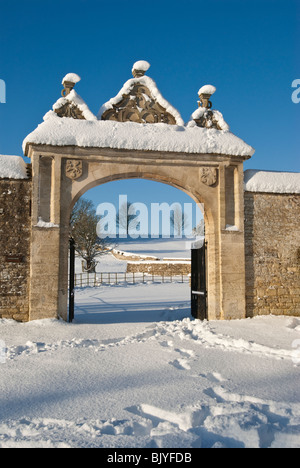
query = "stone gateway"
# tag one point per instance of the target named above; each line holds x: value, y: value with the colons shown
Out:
x: 138, y: 134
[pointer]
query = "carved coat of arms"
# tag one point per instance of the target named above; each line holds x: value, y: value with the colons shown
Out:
x: 73, y: 169
x: 208, y: 175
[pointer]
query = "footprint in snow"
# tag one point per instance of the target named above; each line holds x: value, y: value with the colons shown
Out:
x: 167, y: 344
x: 187, y: 353
x: 214, y: 377
x: 182, y: 363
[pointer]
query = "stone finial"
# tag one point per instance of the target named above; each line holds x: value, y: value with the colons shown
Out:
x: 69, y: 82
x: 139, y: 68
x: 204, y: 116
x: 204, y: 94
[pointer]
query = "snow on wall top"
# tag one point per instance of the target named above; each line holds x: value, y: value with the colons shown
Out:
x: 64, y: 131
x: 272, y: 182
x: 151, y: 85
x: 12, y: 167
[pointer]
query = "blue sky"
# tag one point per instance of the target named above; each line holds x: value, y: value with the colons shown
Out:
x: 247, y: 49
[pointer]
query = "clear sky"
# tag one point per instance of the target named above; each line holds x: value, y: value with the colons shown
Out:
x: 248, y: 49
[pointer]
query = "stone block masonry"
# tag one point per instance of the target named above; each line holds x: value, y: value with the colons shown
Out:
x: 160, y: 268
x: 272, y: 257
x: 272, y: 244
x: 15, y: 200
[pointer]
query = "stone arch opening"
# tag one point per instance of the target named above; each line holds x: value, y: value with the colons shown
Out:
x: 163, y: 272
x: 81, y: 189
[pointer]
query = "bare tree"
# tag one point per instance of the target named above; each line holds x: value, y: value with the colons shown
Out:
x: 125, y: 219
x: 83, y: 229
x: 178, y: 220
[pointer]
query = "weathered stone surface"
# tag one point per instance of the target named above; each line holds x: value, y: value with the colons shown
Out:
x: 15, y: 199
x: 54, y: 194
x: 272, y: 242
x: 266, y: 244
x: 159, y: 268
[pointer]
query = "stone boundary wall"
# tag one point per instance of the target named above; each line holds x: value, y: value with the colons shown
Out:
x: 160, y: 268
x: 15, y: 206
x: 128, y: 256
x: 272, y: 249
x: 153, y: 265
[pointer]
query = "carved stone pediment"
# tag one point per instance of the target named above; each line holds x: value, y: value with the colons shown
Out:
x: 73, y: 169
x: 70, y: 110
x: 209, y: 175
x: 139, y: 106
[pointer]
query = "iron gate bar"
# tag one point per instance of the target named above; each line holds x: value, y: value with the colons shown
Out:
x: 72, y: 281
x: 198, y: 283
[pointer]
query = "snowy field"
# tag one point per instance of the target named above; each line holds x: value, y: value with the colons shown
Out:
x: 134, y: 370
x: 160, y: 248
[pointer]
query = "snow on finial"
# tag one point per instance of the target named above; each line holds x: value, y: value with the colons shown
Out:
x: 69, y: 82
x: 204, y: 94
x: 207, y: 89
x: 139, y: 68
x: 204, y: 117
x: 72, y: 78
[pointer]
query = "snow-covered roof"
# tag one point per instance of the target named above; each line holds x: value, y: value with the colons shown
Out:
x: 64, y: 131
x: 12, y: 167
x: 151, y: 85
x: 271, y: 181
x: 137, y: 118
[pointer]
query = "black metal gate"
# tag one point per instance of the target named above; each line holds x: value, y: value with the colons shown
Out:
x: 198, y: 283
x: 71, y: 280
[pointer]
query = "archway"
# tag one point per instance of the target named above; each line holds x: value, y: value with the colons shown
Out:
x: 81, y: 190
x: 54, y: 194
x: 144, y: 271
x: 137, y: 134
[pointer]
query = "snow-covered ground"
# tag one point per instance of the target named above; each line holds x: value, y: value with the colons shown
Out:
x: 160, y: 248
x: 134, y: 370
x: 105, y: 264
